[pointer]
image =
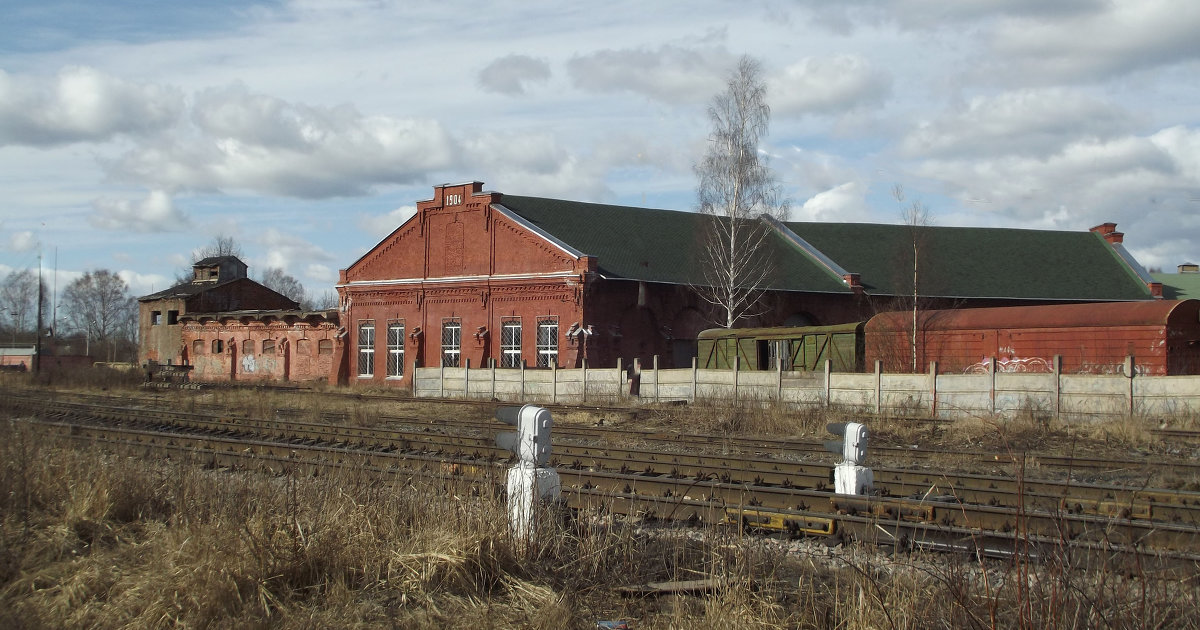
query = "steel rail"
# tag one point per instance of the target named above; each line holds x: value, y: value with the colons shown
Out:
x: 1106, y: 500
x: 1068, y: 528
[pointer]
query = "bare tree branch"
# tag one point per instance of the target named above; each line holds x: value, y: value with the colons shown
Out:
x: 735, y: 188
x: 99, y: 304
x: 275, y: 279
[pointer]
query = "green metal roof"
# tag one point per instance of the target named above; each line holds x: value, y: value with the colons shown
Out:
x: 663, y: 246
x: 655, y: 245
x: 1179, y: 286
x: 977, y: 262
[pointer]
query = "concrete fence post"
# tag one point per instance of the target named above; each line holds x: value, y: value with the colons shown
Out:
x: 522, y: 396
x: 467, y: 380
x: 778, y: 378
x: 620, y: 380
x: 584, y: 392
x: 878, y: 386
x: 1130, y: 370
x: 933, y: 393
x: 737, y: 361
x: 655, y: 364
x: 828, y: 383
x: 1056, y: 370
x: 554, y: 382
x: 991, y: 368
x: 442, y: 380
x: 492, y: 363
x: 695, y: 376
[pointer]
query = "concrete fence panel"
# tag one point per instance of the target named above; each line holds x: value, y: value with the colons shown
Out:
x: 932, y: 394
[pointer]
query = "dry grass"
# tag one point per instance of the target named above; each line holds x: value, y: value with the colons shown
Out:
x: 91, y: 539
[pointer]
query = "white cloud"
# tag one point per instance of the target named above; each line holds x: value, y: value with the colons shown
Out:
x: 535, y: 163
x: 844, y: 202
x: 1025, y: 122
x: 81, y: 104
x: 670, y: 73
x: 509, y: 74
x: 288, y: 251
x: 824, y: 85
x: 381, y: 225
x: 23, y: 241
x: 265, y: 145
x: 144, y: 284
x: 1117, y: 37
x: 320, y: 273
x: 1145, y: 184
x: 155, y: 213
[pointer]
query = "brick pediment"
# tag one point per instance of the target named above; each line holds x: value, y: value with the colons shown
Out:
x: 468, y: 238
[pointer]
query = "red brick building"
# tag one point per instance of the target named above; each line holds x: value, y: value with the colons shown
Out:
x: 477, y: 276
x: 250, y: 346
x: 201, y: 322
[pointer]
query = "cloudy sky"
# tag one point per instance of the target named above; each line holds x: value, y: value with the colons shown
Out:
x: 133, y: 132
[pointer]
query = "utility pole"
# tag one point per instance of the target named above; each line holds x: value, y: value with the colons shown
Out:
x: 37, y: 332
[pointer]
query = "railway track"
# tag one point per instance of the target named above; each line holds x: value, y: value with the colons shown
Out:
x: 1011, y: 462
x: 913, y: 508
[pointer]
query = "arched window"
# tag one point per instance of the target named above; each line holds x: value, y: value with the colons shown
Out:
x: 248, y: 346
x: 218, y: 346
x: 268, y: 346
x: 198, y: 346
x: 325, y: 346
x: 303, y: 347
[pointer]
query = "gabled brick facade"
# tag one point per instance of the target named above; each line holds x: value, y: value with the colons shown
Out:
x: 467, y: 281
x: 447, y: 285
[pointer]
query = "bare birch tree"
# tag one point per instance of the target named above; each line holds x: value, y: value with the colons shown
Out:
x: 735, y: 188
x: 916, y: 218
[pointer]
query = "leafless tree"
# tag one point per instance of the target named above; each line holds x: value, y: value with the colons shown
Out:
x: 98, y: 304
x: 736, y: 187
x: 916, y: 218
x: 221, y: 245
x: 18, y: 299
x: 277, y: 280
x: 327, y: 299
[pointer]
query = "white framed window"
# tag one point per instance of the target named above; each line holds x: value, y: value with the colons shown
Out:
x: 451, y: 341
x: 395, y: 349
x: 547, y: 342
x: 510, y: 343
x: 366, y: 348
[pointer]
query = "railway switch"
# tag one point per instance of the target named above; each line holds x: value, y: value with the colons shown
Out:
x: 530, y: 482
x: 531, y: 441
x: 849, y: 475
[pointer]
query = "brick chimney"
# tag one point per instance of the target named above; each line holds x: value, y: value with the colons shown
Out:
x: 1109, y: 232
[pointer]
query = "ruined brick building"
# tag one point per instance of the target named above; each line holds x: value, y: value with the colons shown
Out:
x: 229, y: 327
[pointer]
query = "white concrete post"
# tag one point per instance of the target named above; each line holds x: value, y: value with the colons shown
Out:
x: 878, y: 386
x: 695, y: 376
x: 992, y: 385
x: 530, y: 483
x: 828, y: 383
x: 849, y: 475
x: 1056, y: 368
x: 655, y: 359
x: 933, y: 393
